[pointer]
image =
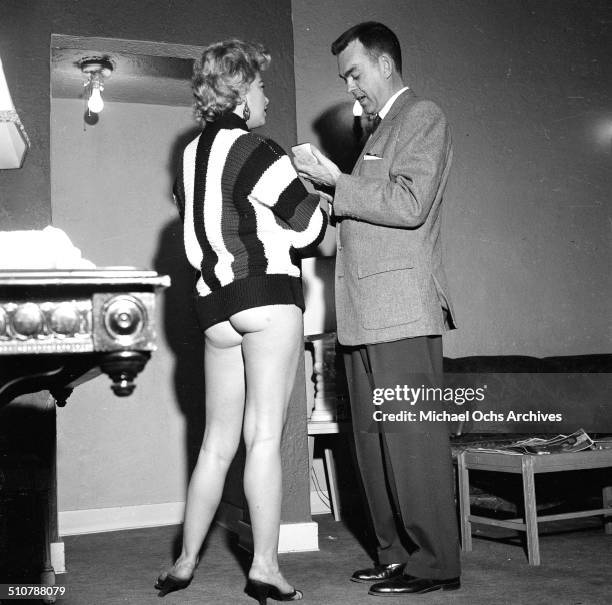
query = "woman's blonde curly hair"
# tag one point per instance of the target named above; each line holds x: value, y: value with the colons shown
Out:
x: 222, y: 75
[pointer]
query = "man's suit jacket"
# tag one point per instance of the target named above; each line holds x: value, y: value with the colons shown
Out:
x: 390, y: 283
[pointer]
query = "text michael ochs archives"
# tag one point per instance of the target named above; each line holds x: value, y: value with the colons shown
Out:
x: 420, y: 399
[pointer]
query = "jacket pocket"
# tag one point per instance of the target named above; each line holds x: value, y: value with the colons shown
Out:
x: 374, y: 168
x: 372, y: 266
x: 389, y: 293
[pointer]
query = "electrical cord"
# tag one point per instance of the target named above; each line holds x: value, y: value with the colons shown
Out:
x: 315, y: 480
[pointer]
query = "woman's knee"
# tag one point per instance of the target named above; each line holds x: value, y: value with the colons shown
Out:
x: 262, y: 437
x: 220, y: 451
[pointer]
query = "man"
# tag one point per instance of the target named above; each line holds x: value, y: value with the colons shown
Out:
x: 392, y: 307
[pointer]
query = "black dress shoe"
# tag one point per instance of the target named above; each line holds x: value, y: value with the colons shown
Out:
x: 405, y: 584
x: 378, y: 573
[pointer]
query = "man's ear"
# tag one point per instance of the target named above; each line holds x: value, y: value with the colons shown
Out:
x: 386, y: 64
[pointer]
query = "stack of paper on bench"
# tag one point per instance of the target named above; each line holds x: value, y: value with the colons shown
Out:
x: 560, y: 444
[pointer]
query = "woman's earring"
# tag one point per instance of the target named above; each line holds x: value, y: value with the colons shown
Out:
x: 246, y: 114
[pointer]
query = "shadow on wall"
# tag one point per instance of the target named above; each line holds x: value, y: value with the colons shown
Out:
x: 180, y: 324
x: 183, y: 335
x: 341, y: 135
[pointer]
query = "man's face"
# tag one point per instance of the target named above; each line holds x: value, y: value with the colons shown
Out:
x: 363, y: 76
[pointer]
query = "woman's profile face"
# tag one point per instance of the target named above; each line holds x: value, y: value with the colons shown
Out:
x: 257, y: 102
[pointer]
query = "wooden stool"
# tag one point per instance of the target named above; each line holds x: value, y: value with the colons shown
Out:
x: 528, y: 465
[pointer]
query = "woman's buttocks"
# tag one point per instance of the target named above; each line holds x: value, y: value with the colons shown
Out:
x: 286, y: 319
x: 260, y: 318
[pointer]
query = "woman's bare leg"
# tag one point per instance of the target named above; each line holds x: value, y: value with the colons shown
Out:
x: 225, y: 395
x: 272, y: 340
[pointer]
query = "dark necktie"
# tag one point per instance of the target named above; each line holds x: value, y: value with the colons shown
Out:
x: 375, y: 123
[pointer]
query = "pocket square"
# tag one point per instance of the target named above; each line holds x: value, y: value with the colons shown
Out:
x: 369, y: 156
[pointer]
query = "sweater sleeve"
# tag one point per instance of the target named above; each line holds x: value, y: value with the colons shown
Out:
x: 280, y: 189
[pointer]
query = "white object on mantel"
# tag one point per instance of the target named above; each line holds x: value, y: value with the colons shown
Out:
x: 50, y: 248
x: 14, y: 141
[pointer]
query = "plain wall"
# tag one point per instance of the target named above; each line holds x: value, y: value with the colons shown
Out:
x: 527, y: 89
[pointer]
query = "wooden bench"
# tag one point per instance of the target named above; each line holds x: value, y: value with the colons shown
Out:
x: 528, y: 465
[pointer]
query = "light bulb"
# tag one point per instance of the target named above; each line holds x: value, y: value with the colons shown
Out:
x: 95, y: 103
x: 357, y: 109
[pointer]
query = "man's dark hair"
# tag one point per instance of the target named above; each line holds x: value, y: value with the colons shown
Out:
x: 375, y: 37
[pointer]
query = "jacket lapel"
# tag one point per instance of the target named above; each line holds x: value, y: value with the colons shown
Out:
x: 406, y: 99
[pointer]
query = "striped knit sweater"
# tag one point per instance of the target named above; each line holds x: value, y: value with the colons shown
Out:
x: 245, y: 213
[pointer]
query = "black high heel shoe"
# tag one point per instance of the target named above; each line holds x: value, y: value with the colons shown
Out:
x: 170, y: 583
x: 262, y: 590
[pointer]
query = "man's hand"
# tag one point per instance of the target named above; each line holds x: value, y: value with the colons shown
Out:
x: 324, y: 172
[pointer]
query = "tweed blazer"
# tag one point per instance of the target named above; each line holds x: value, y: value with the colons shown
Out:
x: 390, y: 282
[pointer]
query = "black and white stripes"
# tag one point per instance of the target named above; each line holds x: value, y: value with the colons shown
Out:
x: 244, y: 211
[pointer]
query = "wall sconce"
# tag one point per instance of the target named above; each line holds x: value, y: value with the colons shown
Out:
x: 14, y: 141
x: 97, y: 69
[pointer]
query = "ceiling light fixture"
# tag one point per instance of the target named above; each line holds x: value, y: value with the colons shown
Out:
x: 97, y: 69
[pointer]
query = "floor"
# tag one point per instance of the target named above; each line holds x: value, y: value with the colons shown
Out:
x: 121, y: 567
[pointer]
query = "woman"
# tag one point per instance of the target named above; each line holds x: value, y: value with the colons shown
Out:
x: 245, y: 213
